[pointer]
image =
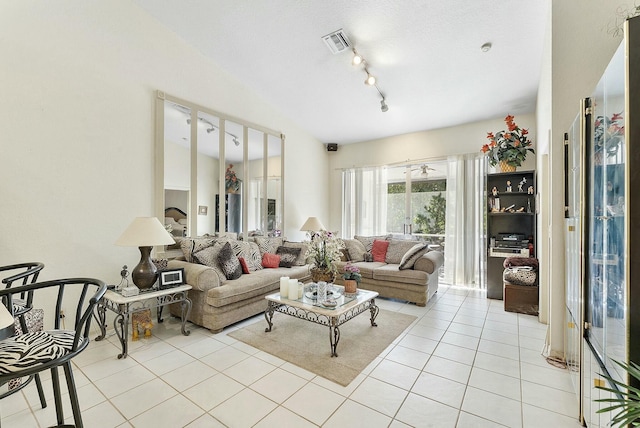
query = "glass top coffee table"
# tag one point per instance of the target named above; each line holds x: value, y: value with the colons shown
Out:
x: 307, y: 308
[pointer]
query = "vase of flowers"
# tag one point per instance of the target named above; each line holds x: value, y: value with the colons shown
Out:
x: 231, y: 182
x: 608, y: 134
x: 509, y: 148
x: 322, y: 253
x: 352, y: 278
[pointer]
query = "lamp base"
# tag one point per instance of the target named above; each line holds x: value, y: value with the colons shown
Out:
x: 145, y: 273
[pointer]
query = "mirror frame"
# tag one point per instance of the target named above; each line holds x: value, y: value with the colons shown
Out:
x: 160, y: 99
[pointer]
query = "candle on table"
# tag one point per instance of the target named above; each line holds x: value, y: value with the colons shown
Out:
x: 284, y: 286
x: 293, y: 289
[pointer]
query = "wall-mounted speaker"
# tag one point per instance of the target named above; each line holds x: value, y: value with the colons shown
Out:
x: 332, y: 147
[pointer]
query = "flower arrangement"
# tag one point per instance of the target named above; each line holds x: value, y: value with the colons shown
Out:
x: 510, y: 146
x: 231, y: 182
x: 324, y: 250
x: 352, y: 272
x: 608, y: 133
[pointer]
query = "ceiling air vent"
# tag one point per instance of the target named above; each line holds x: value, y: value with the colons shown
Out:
x: 337, y: 41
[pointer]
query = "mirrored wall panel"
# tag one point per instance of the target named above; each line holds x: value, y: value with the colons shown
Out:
x: 216, y: 174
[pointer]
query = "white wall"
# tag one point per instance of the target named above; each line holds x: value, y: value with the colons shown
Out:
x: 77, y: 116
x: 438, y: 143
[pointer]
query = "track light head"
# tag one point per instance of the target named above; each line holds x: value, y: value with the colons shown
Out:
x: 357, y: 58
x: 383, y: 106
x: 210, y: 130
x: 370, y: 80
x: 188, y: 121
x: 236, y: 142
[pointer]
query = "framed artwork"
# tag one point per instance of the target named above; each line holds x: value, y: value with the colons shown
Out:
x: 202, y: 209
x: 171, y: 278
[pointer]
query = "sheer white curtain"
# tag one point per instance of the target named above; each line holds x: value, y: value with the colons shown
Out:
x: 465, y: 239
x: 364, y: 201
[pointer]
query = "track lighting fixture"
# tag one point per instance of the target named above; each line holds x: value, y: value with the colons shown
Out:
x: 357, y: 58
x: 383, y: 106
x: 370, y: 80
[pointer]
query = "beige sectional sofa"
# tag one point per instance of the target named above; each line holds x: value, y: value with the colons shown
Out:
x: 219, y: 302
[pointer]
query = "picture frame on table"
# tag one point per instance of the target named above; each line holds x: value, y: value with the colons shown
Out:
x: 171, y: 278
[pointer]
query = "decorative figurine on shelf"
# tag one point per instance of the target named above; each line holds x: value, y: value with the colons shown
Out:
x: 494, y: 191
x: 521, y: 184
x: 509, y: 186
x: 530, y: 190
x: 124, y: 281
x: 529, y: 205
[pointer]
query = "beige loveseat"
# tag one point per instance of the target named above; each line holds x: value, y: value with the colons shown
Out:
x: 415, y: 282
x: 218, y: 302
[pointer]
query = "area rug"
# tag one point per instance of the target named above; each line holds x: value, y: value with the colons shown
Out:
x: 306, y: 344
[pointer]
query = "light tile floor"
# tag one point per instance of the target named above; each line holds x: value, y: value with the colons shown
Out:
x: 463, y: 363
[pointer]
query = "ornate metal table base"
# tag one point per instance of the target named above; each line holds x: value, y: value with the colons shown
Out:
x: 333, y: 322
x: 125, y: 309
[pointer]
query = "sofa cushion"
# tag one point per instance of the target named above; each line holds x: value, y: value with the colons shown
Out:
x: 379, y: 250
x: 356, y: 250
x: 397, y: 249
x: 301, y: 259
x: 208, y: 256
x: 190, y: 246
x: 229, y: 262
x: 270, y: 261
x: 392, y: 273
x: 367, y: 241
x: 288, y: 255
x: 268, y: 245
x: 366, y: 268
x: 414, y: 253
x: 245, y: 267
x: 249, y: 252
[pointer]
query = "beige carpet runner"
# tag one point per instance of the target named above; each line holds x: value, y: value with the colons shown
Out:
x: 306, y: 344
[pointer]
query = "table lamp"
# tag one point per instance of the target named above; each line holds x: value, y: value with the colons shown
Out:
x: 7, y: 323
x: 312, y: 225
x: 144, y: 233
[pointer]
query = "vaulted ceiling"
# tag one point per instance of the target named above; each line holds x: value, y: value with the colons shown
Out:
x: 425, y: 54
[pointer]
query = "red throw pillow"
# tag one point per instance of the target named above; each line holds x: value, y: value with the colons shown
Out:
x: 270, y: 260
x: 379, y: 250
x: 243, y: 263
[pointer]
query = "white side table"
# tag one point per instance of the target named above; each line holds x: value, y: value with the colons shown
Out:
x: 125, y: 306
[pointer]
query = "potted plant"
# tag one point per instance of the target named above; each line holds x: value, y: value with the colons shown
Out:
x: 625, y: 400
x: 608, y: 133
x: 352, y: 278
x: 508, y: 148
x: 322, y: 253
x: 231, y: 182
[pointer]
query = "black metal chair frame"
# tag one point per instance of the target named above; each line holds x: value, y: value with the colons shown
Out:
x: 82, y: 323
x: 29, y: 275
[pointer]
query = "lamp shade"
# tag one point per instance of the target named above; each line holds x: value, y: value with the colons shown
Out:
x: 312, y: 225
x: 145, y: 232
x: 6, y: 322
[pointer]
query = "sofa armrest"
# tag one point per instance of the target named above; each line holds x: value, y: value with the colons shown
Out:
x: 200, y: 277
x: 430, y: 262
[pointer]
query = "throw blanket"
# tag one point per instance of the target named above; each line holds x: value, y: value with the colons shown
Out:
x: 521, y: 261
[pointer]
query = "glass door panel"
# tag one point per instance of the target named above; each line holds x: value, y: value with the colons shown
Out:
x: 255, y: 176
x: 605, y: 273
x: 231, y: 208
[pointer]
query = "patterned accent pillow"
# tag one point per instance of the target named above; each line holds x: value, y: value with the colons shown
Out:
x: 209, y: 257
x: 269, y: 245
x: 379, y: 250
x: 288, y: 255
x: 411, y: 256
x: 300, y: 260
x: 229, y: 262
x: 367, y: 257
x: 270, y: 260
x: 250, y: 252
x: 356, y: 250
x: 367, y: 241
x: 190, y: 246
x: 397, y: 249
x: 161, y: 264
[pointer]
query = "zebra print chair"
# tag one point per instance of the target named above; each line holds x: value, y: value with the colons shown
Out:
x: 21, y: 274
x: 30, y: 353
